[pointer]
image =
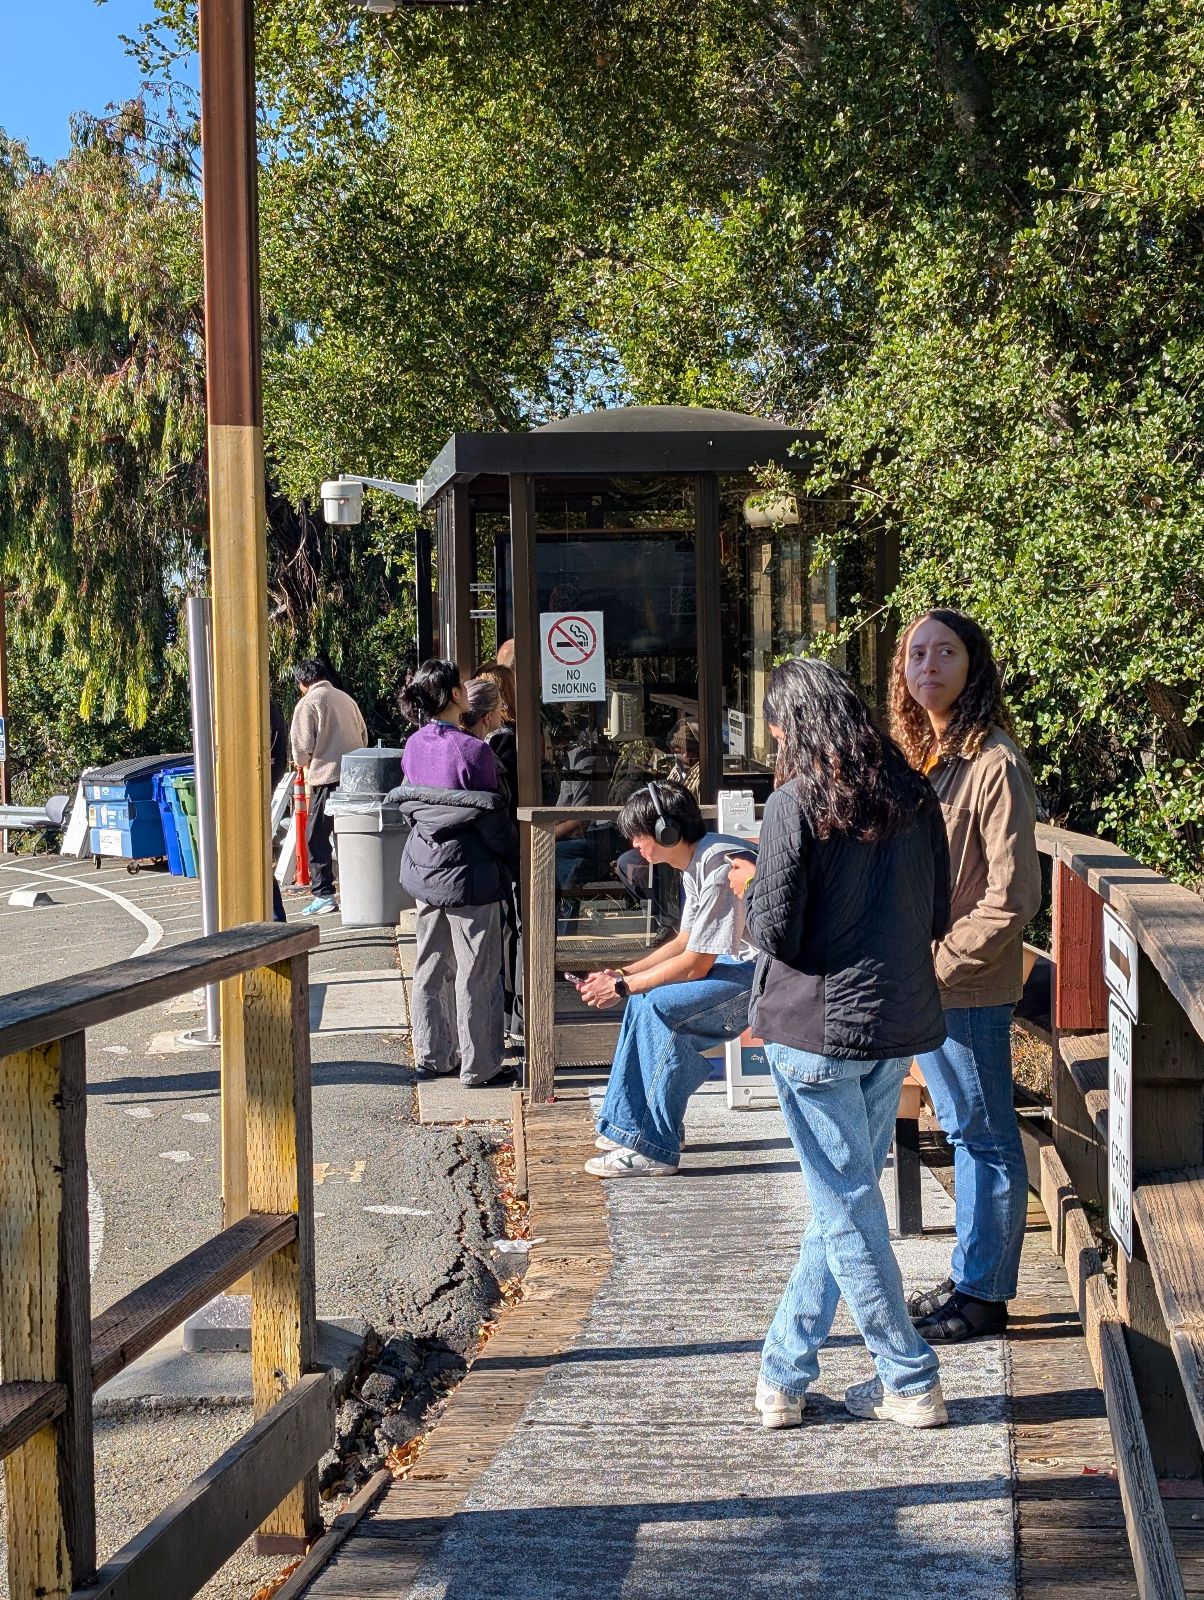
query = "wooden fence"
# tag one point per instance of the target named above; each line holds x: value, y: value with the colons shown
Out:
x: 1147, y: 1339
x: 54, y: 1354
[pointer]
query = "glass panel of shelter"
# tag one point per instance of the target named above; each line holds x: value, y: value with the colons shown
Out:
x: 626, y: 549
x: 623, y: 548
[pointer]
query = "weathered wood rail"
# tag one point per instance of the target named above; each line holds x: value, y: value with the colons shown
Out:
x: 1147, y: 1340
x: 54, y: 1354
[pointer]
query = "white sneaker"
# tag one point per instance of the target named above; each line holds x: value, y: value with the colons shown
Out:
x: 603, y: 1143
x: 778, y: 1409
x: 871, y: 1400
x: 628, y: 1164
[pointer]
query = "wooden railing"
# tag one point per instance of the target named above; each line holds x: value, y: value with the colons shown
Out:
x: 1147, y: 1340
x: 53, y: 1354
x: 539, y: 933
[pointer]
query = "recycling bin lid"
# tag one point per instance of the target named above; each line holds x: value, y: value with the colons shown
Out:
x: 135, y: 767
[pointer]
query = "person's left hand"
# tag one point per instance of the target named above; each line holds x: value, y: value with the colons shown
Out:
x: 598, y: 990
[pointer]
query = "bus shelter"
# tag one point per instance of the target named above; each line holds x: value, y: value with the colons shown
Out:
x: 649, y: 581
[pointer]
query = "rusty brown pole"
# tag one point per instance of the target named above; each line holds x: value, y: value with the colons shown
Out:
x: 237, y: 523
x: 5, y: 786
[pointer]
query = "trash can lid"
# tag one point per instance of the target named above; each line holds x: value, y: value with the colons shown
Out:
x: 135, y: 767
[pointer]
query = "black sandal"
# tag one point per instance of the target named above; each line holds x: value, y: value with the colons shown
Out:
x: 962, y: 1317
x: 925, y: 1302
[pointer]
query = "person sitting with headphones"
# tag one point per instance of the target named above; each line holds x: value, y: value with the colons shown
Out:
x: 682, y: 998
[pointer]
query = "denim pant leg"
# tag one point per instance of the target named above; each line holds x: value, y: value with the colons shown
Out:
x: 970, y: 1080
x: 658, y: 1062
x: 839, y: 1115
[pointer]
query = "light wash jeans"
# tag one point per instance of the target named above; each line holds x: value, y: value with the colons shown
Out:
x: 659, y: 1062
x: 970, y: 1081
x: 841, y: 1116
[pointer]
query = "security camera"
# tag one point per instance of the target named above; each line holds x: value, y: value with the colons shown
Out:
x: 343, y: 502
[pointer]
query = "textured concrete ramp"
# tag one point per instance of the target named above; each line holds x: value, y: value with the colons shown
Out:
x: 639, y: 1468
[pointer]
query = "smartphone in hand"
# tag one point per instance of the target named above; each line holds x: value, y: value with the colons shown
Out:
x: 571, y: 977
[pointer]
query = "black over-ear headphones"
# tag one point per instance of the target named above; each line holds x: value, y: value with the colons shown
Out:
x: 666, y: 832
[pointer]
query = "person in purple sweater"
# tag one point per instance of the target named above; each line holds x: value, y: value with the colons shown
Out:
x: 460, y: 856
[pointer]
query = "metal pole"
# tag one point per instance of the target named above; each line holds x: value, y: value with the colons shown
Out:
x: 5, y: 789
x: 202, y: 745
x: 237, y: 524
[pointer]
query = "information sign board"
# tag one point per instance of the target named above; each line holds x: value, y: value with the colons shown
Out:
x: 1120, y: 1126
x: 572, y: 655
x: 1120, y: 961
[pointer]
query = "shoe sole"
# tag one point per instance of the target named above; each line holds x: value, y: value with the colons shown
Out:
x: 634, y: 1172
x: 881, y: 1413
x: 781, y: 1419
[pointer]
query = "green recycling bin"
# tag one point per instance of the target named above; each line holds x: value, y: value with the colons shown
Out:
x: 185, y: 787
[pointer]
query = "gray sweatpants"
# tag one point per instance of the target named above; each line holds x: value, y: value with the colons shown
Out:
x: 457, y: 990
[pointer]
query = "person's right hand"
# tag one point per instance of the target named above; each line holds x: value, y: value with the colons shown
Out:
x: 741, y: 875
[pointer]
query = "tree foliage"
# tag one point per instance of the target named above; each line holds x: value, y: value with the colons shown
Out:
x: 960, y: 237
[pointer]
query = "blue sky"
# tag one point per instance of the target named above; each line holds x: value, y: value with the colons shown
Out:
x: 61, y: 56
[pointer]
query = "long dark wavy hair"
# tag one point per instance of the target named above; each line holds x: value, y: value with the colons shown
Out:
x: 849, y: 777
x: 979, y: 708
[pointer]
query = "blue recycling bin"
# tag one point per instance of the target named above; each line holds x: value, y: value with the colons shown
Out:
x: 179, y: 813
x: 173, y: 820
x: 124, y: 818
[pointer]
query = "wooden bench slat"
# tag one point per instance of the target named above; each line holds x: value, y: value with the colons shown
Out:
x: 1169, y: 1211
x: 1085, y: 1056
x: 135, y: 1323
x: 24, y: 1409
x: 50, y: 1011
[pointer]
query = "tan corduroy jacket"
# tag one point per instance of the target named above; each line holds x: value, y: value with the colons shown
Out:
x: 990, y: 809
x: 326, y: 724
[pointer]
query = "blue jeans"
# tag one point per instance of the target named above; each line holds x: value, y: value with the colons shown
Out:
x: 659, y: 1062
x: 840, y: 1116
x: 970, y: 1081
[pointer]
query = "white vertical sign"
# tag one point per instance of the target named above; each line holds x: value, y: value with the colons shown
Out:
x: 1120, y: 1126
x: 572, y: 655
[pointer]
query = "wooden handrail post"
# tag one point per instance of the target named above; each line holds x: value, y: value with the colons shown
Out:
x: 1080, y: 1006
x: 45, y: 1313
x: 280, y: 1179
x: 1168, y: 1134
x: 540, y: 1002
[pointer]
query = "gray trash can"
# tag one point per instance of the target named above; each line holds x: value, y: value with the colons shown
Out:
x: 369, y: 839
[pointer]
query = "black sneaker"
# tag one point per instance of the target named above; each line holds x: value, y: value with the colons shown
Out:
x: 923, y: 1302
x: 962, y: 1317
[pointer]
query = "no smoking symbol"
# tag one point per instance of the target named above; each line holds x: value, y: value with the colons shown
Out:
x: 572, y: 640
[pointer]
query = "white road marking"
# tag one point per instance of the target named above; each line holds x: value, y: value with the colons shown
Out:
x: 96, y: 1226
x: 154, y: 931
x: 196, y: 1116
x: 116, y: 1049
x: 141, y: 1112
x: 179, y: 1156
x: 398, y: 1211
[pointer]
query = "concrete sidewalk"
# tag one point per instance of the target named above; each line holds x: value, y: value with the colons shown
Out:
x: 637, y: 1466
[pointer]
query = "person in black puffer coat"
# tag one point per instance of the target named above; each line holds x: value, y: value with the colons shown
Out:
x: 459, y: 859
x: 851, y: 887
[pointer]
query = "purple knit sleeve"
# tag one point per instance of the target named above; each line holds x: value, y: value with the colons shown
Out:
x: 480, y: 767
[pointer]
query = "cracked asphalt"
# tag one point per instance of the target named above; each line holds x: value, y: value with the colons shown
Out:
x: 403, y: 1212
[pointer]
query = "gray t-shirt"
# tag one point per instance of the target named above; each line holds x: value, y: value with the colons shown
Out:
x: 712, y: 915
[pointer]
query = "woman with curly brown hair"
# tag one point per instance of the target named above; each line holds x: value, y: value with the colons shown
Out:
x: 947, y: 713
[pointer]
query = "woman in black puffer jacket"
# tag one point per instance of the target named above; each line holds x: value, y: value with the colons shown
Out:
x: 458, y: 862
x: 851, y: 887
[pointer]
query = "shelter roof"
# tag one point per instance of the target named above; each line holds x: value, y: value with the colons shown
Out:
x: 625, y: 441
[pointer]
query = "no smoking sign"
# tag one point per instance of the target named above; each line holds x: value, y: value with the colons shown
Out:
x: 572, y: 655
